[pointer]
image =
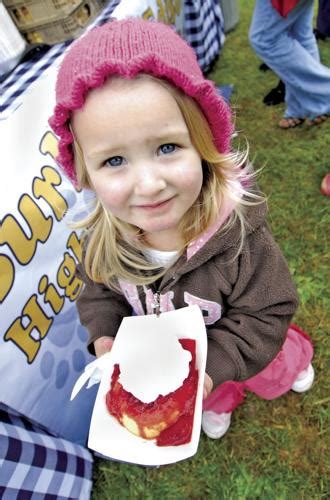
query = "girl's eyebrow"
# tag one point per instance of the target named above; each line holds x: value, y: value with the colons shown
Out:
x: 175, y: 135
x: 170, y: 135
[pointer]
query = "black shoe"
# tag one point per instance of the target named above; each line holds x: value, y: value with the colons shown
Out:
x: 276, y: 95
x: 319, y: 35
x: 264, y: 67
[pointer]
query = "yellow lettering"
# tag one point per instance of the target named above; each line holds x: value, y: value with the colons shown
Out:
x: 66, y: 278
x: 148, y: 14
x: 74, y: 244
x: 28, y: 338
x: 170, y: 10
x: 48, y: 145
x: 12, y: 234
x: 161, y: 16
x: 177, y: 6
x: 44, y: 188
x: 7, y: 275
x: 52, y: 296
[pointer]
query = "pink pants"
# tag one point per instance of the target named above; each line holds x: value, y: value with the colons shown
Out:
x: 273, y: 381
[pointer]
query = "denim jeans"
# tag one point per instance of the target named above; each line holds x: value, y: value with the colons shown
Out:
x: 288, y: 46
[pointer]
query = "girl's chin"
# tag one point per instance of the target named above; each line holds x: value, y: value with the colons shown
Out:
x: 156, y: 226
x: 159, y: 228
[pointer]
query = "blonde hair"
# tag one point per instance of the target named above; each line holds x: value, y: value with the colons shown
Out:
x: 113, y: 249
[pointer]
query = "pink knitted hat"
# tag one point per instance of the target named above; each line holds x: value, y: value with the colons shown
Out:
x: 126, y: 48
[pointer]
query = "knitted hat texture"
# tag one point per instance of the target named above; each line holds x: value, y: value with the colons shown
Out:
x: 126, y: 48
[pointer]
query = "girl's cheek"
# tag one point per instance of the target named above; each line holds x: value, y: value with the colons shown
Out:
x: 189, y: 174
x: 113, y: 193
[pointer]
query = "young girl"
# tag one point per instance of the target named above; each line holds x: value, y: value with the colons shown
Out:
x: 176, y: 218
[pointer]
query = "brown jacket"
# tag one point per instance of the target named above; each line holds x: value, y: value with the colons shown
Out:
x: 247, y: 301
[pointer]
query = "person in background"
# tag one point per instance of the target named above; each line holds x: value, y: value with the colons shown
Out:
x: 281, y: 33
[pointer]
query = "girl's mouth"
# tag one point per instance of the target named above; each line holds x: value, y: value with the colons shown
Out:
x: 156, y: 205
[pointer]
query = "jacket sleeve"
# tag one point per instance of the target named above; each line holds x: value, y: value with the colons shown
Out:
x: 100, y: 309
x: 257, y: 311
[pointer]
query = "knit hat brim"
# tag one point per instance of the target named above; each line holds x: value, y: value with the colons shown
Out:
x: 145, y: 47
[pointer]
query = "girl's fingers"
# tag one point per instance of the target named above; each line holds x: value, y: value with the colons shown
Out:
x: 103, y: 345
x: 208, y: 386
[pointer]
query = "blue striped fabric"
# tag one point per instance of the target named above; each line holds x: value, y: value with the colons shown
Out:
x: 204, y: 30
x: 36, y: 465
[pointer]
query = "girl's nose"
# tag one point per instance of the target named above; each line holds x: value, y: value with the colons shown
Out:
x: 149, y: 181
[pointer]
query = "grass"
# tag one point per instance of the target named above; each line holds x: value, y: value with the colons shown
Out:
x: 274, y: 450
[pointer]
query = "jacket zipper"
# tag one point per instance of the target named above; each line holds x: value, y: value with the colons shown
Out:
x: 156, y: 304
x: 156, y: 297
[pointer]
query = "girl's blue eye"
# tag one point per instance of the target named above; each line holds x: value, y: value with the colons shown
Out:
x: 114, y: 161
x: 165, y: 149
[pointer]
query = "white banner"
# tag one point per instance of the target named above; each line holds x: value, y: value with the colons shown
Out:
x: 42, y: 344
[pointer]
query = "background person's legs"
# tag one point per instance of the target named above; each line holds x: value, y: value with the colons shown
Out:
x: 307, y: 81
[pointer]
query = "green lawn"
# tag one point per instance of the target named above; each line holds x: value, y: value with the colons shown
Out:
x: 273, y: 450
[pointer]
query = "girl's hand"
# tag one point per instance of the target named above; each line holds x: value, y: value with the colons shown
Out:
x: 103, y: 345
x: 208, y: 386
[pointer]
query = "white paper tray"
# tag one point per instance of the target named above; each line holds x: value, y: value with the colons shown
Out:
x: 106, y: 435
